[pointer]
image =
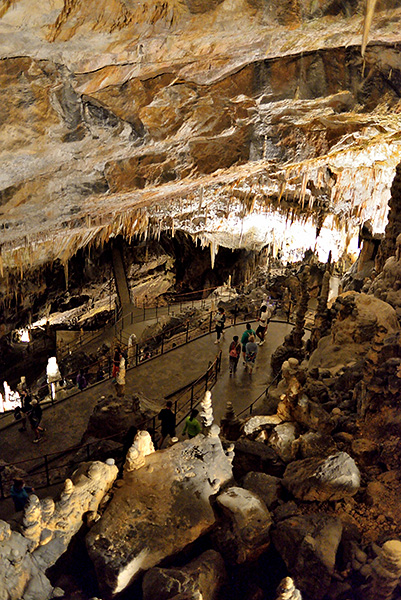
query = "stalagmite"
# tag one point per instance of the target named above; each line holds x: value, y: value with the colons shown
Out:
x: 287, y: 590
x: 370, y: 9
x: 385, y: 572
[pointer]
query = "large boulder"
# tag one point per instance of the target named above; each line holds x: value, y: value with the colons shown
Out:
x: 320, y: 479
x: 256, y: 456
x: 162, y: 506
x: 282, y: 440
x: 201, y: 578
x: 308, y: 546
x: 267, y: 487
x: 244, y: 534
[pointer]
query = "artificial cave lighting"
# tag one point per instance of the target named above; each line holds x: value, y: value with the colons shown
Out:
x: 11, y: 399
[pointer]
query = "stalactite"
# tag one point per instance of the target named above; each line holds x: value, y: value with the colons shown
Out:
x: 66, y: 274
x: 370, y: 9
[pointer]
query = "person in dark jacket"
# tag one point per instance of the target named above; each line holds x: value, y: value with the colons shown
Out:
x: 167, y: 417
x: 20, y: 494
x: 35, y: 417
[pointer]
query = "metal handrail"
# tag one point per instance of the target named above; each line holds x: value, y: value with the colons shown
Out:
x: 210, y: 378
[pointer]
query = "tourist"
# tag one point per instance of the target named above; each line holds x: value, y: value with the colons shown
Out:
x: 116, y: 362
x: 35, y: 417
x: 262, y: 327
x: 192, y: 425
x: 20, y: 413
x: 167, y: 418
x: 220, y: 320
x: 234, y: 352
x: 81, y: 380
x: 250, y: 354
x: 244, y: 338
x: 20, y: 494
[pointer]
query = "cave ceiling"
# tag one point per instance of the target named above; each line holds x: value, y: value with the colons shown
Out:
x: 242, y: 123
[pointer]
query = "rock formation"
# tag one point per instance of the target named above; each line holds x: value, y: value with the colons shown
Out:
x: 47, y: 529
x: 162, y: 506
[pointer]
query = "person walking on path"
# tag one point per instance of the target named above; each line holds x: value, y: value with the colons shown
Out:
x: 192, y: 425
x: 25, y: 408
x: 244, y: 338
x: 81, y: 380
x: 262, y: 327
x: 116, y: 362
x: 20, y: 494
x: 167, y: 418
x: 220, y: 320
x: 35, y: 417
x: 250, y: 354
x: 234, y: 352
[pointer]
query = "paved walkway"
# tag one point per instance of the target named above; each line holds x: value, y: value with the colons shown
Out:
x: 67, y: 420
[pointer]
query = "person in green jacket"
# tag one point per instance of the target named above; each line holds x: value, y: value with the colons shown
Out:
x: 244, y: 339
x: 192, y: 425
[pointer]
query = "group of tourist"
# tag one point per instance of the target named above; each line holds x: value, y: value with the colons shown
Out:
x: 248, y: 344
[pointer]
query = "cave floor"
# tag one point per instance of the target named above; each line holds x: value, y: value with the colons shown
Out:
x: 67, y: 420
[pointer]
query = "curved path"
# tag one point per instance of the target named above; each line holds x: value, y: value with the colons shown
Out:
x: 66, y: 421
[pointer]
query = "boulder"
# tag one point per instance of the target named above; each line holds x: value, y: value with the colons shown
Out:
x: 282, y: 440
x: 308, y: 546
x: 162, y: 506
x: 321, y: 479
x: 265, y: 486
x: 114, y: 416
x: 365, y: 451
x: 201, y: 578
x: 314, y: 443
x: 259, y: 422
x: 244, y: 534
x: 256, y: 456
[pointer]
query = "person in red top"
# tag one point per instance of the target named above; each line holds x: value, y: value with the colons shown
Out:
x: 234, y: 353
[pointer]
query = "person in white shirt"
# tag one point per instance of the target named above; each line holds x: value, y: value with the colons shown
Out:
x: 262, y: 327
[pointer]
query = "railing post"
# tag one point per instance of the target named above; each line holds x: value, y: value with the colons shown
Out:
x: 162, y: 346
x: 136, y: 355
x: 47, y: 471
x: 187, y: 333
x: 250, y: 409
x: 210, y: 322
x: 1, y: 487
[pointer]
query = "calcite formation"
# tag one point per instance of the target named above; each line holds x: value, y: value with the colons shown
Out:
x: 163, y: 506
x: 47, y: 529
